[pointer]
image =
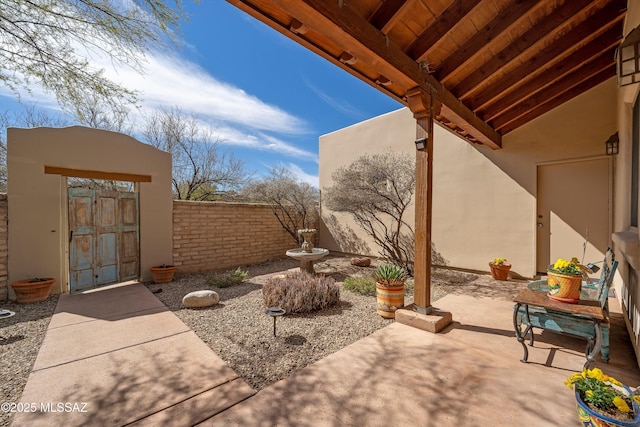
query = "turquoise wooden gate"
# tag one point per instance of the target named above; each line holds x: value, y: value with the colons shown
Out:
x: 103, y: 237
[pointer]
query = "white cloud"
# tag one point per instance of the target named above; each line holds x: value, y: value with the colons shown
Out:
x: 302, y: 176
x: 341, y: 106
x: 239, y: 118
x: 260, y: 141
x: 173, y: 81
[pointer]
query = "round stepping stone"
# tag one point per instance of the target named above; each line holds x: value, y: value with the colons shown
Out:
x: 199, y: 299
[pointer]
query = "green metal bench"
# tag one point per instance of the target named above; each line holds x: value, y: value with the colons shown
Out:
x: 573, y: 324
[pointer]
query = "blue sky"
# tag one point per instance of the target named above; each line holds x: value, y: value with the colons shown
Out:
x: 267, y: 98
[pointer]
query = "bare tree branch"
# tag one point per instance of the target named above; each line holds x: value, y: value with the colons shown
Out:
x: 200, y: 170
x: 47, y: 41
x: 376, y: 191
x: 294, y: 204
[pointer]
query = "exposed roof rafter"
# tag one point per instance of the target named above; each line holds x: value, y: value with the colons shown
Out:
x: 493, y: 64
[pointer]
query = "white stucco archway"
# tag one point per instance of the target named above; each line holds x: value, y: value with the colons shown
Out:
x: 38, y: 163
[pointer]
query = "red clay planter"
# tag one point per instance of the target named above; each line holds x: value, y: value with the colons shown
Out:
x: 33, y: 290
x: 163, y: 273
x: 499, y: 272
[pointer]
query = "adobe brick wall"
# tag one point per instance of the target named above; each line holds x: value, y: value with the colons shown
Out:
x: 4, y: 248
x: 207, y: 236
x: 210, y: 236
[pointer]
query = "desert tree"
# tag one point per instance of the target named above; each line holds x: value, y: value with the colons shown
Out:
x: 294, y: 203
x: 91, y: 112
x: 201, y: 170
x: 28, y: 117
x: 49, y: 41
x: 376, y: 190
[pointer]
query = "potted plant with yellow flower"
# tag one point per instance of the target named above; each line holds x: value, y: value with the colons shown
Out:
x: 603, y: 400
x: 500, y: 268
x: 565, y: 280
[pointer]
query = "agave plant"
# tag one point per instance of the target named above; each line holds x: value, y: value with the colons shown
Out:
x: 390, y: 275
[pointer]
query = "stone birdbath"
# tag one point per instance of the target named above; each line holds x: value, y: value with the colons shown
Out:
x: 307, y: 254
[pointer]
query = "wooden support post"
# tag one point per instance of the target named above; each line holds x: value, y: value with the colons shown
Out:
x: 424, y: 107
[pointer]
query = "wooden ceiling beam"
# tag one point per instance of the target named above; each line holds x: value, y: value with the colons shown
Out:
x: 504, y: 20
x: 442, y: 25
x: 389, y: 12
x: 557, y: 101
x: 345, y: 28
x: 543, y: 29
x: 604, y: 44
x: 603, y: 63
x: 589, y: 29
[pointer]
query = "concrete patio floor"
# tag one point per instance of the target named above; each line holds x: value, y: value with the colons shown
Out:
x: 134, y: 362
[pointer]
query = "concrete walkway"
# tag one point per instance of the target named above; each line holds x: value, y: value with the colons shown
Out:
x: 468, y: 375
x: 117, y: 356
x: 133, y: 362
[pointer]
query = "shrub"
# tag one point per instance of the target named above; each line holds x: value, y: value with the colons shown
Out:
x: 360, y: 285
x: 228, y: 279
x: 300, y: 292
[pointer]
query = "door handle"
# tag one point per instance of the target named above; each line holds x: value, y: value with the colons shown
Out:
x: 540, y: 225
x: 70, y: 236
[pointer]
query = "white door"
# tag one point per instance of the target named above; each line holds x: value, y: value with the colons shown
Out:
x: 573, y: 205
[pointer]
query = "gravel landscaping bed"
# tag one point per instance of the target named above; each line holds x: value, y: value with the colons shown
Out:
x: 240, y: 332
x: 238, y: 329
x: 20, y: 339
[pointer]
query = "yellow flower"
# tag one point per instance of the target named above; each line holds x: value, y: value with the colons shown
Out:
x: 560, y: 263
x: 621, y: 404
x: 572, y: 379
x: 596, y: 373
x: 615, y: 381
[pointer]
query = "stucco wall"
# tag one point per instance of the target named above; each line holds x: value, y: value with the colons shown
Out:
x: 210, y: 236
x: 38, y: 228
x: 484, y: 201
x: 627, y: 248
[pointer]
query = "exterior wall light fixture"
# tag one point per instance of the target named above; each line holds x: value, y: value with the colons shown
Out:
x: 612, y: 145
x: 628, y: 59
x: 421, y: 143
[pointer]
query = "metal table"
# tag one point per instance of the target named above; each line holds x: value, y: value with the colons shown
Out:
x: 590, y: 310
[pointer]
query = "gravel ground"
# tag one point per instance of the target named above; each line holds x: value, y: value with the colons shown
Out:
x: 237, y: 329
x: 240, y: 332
x: 20, y: 340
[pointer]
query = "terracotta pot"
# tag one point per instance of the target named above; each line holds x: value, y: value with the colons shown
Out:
x: 500, y: 272
x: 590, y: 418
x: 390, y: 298
x: 29, y: 290
x: 564, y: 287
x: 163, y: 274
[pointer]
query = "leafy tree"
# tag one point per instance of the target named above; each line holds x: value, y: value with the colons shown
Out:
x: 200, y: 170
x: 294, y: 203
x: 377, y: 191
x: 48, y: 41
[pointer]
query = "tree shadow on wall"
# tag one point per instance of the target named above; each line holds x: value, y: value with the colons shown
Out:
x: 345, y: 237
x: 349, y: 242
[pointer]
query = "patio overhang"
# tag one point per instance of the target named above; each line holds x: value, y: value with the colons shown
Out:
x: 491, y: 66
x: 494, y: 65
